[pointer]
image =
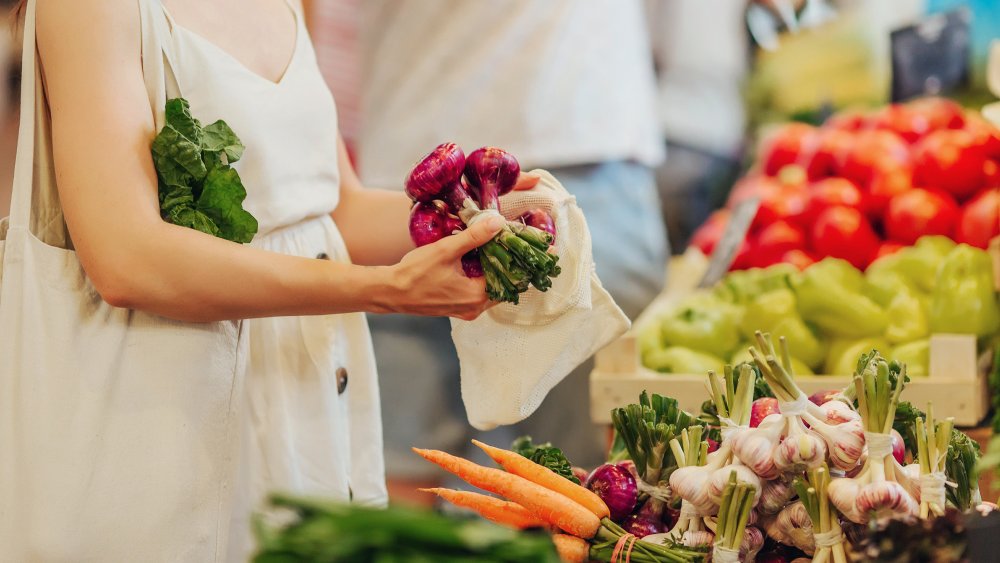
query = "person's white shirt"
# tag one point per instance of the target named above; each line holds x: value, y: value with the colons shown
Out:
x: 701, y: 47
x: 555, y: 82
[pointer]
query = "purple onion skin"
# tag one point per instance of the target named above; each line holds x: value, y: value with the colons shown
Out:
x: 771, y: 557
x: 540, y: 219
x: 670, y: 517
x: 640, y: 526
x: 428, y: 224
x: 454, y: 196
x: 492, y: 172
x: 443, y: 166
x: 452, y: 224
x: 616, y: 487
x: 471, y: 265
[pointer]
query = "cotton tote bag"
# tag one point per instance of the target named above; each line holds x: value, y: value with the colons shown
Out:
x: 116, y: 426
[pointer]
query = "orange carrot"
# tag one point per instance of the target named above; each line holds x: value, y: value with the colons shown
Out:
x: 519, y: 465
x: 571, y: 549
x: 502, y: 512
x: 550, y: 506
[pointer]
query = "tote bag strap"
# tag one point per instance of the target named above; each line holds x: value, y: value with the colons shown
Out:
x: 20, y: 200
x: 157, y: 73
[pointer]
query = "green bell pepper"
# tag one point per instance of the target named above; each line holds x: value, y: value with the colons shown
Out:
x: 907, y: 313
x: 704, y: 323
x: 826, y: 300
x: 916, y: 355
x: 649, y: 338
x: 882, y: 286
x: 917, y: 264
x: 743, y: 286
x: 844, y: 354
x: 964, y: 300
x: 840, y: 271
x: 677, y: 359
x: 776, y: 312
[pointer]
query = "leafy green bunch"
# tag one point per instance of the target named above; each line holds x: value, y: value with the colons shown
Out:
x: 198, y: 187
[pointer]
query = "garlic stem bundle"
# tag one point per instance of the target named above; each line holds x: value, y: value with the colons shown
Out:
x: 828, y: 537
x: 804, y: 435
x: 734, y: 512
x: 733, y: 400
x: 932, y: 450
x: 689, y: 481
x: 883, y: 487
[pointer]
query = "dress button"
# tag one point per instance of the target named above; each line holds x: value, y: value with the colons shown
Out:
x: 322, y: 256
x: 341, y: 380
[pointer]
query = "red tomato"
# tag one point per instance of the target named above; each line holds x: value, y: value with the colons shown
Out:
x: 780, y: 198
x: 918, y: 212
x: 941, y: 113
x: 903, y: 120
x: 798, y: 258
x: 979, y: 221
x: 987, y: 135
x: 709, y: 233
x: 848, y: 120
x: 950, y: 159
x: 888, y: 247
x: 785, y: 145
x: 873, y: 153
x: 844, y: 232
x: 833, y: 143
x: 775, y: 240
x: 829, y: 192
x: 883, y: 188
x: 991, y: 173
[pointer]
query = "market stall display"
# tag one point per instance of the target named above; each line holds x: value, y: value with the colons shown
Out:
x: 818, y: 482
x: 864, y: 185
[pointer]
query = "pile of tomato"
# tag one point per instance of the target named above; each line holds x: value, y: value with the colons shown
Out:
x: 865, y: 184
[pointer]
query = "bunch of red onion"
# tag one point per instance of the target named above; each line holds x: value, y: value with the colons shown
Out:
x: 445, y: 202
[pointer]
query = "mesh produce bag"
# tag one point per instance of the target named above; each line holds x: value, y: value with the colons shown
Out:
x: 512, y: 355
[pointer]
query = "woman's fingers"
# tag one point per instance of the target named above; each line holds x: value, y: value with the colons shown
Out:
x: 478, y: 234
x: 526, y: 181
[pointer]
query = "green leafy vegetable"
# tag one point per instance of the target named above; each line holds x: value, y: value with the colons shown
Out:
x: 545, y: 455
x: 198, y: 187
x: 327, y: 532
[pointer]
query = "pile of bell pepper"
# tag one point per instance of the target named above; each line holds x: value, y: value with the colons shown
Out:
x: 865, y: 184
x: 831, y: 312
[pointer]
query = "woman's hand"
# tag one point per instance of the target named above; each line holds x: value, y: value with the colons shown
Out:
x: 430, y: 281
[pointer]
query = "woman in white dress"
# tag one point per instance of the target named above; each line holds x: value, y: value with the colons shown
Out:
x: 158, y: 464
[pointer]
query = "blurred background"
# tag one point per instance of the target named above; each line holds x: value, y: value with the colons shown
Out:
x: 613, y: 96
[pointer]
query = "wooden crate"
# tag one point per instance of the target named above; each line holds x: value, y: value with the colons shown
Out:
x: 955, y: 383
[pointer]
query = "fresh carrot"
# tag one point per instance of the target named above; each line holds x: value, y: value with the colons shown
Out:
x: 497, y: 510
x: 550, y: 506
x: 571, y: 549
x: 519, y: 465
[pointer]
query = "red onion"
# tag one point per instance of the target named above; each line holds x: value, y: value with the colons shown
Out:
x: 822, y: 397
x: 616, y: 487
x: 761, y: 408
x: 540, y: 219
x: 898, y: 448
x: 491, y: 172
x: 428, y: 223
x: 471, y: 265
x: 452, y: 224
x: 442, y: 167
x: 641, y: 526
x: 712, y: 445
x: 581, y: 474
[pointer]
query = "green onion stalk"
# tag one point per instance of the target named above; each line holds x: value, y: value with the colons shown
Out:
x: 932, y: 455
x: 646, y: 429
x: 827, y: 532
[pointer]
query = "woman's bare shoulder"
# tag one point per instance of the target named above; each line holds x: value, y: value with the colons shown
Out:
x: 81, y: 29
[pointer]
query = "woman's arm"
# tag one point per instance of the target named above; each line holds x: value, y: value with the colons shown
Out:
x: 374, y: 223
x: 102, y: 128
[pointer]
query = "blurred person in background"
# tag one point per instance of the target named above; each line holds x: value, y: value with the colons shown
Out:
x: 701, y: 53
x: 9, y: 86
x: 563, y: 85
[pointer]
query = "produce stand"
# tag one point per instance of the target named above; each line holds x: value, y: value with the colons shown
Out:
x: 955, y: 381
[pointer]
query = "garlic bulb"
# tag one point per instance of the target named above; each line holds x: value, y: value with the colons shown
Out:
x: 701, y: 538
x: 886, y: 499
x: 720, y: 477
x: 800, y: 450
x: 753, y: 542
x: 843, y: 493
x: 837, y: 412
x: 774, y: 495
x: 793, y: 527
